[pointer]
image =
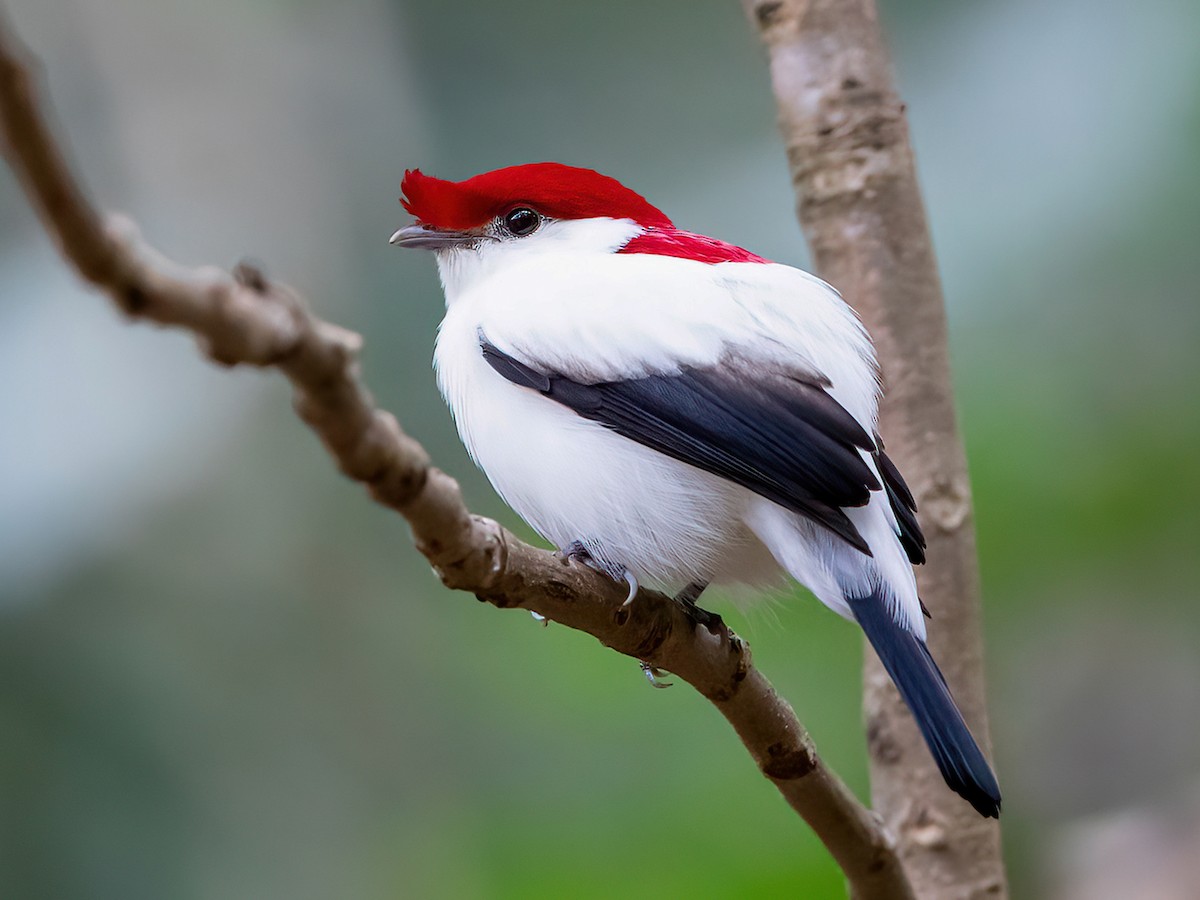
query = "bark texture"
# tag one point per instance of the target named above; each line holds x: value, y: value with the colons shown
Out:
x: 242, y: 318
x: 861, y: 210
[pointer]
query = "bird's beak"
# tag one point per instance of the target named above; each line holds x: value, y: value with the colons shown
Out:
x: 427, y: 237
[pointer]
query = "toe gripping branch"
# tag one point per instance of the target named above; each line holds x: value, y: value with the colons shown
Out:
x: 702, y: 617
x: 710, y: 621
x: 579, y: 551
x: 594, y: 558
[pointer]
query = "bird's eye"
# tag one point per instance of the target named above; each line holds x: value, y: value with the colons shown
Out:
x: 521, y: 221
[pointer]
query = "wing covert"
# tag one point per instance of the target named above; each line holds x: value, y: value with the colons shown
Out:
x: 903, y: 506
x: 781, y: 436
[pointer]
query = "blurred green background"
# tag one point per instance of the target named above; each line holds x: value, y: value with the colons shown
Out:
x: 225, y: 673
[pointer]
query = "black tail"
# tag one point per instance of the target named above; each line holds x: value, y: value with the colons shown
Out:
x: 923, y: 688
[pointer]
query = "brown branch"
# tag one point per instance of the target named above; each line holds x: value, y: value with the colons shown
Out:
x: 861, y: 210
x: 241, y: 318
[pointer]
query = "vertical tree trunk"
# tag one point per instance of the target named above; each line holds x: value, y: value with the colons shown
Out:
x: 861, y: 210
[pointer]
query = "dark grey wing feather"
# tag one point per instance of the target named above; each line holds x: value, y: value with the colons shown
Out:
x: 786, y: 439
x: 903, y: 505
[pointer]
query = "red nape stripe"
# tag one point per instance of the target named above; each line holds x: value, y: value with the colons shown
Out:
x: 685, y: 245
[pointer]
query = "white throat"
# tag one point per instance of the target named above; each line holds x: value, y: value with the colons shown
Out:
x: 557, y: 240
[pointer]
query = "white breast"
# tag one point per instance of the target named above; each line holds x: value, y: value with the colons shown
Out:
x: 597, y: 316
x: 573, y: 479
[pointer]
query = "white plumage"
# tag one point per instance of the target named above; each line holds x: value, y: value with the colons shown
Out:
x: 677, y: 410
x: 567, y: 303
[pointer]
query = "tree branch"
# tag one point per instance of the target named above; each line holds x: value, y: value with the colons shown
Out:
x: 241, y: 318
x: 860, y: 207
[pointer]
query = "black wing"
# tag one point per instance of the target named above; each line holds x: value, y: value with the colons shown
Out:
x: 903, y: 505
x: 784, y: 438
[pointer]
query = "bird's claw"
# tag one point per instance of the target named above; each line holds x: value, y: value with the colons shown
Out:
x: 631, y: 580
x: 574, y: 550
x: 578, y: 550
x: 654, y: 675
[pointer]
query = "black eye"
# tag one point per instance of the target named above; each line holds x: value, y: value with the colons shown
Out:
x: 521, y: 221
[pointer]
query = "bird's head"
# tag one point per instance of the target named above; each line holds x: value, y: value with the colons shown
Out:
x: 508, y: 216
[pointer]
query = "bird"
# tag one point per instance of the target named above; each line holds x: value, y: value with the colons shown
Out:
x: 673, y: 409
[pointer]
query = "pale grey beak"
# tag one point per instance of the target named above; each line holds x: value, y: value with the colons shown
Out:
x: 428, y: 238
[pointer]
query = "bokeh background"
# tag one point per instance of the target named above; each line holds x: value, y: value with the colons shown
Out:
x: 225, y: 673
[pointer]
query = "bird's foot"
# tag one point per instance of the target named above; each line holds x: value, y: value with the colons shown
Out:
x: 710, y: 620
x: 691, y: 593
x: 578, y: 551
x: 655, y: 675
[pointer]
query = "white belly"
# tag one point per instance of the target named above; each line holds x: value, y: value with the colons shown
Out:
x: 573, y: 479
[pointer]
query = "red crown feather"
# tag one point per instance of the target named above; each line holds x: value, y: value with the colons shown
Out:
x: 562, y: 192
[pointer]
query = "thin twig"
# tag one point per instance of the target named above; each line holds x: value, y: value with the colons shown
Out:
x: 241, y: 318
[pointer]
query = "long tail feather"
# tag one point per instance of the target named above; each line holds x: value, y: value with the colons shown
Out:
x: 908, y: 662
